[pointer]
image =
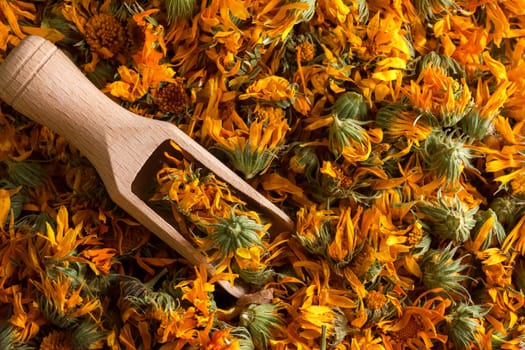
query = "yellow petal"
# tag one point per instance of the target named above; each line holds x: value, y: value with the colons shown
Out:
x: 5, y: 205
x: 496, y: 67
x: 50, y: 34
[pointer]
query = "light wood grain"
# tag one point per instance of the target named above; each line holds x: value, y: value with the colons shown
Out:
x: 40, y: 82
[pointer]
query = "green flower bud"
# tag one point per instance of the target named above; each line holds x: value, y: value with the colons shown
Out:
x: 475, y: 126
x: 342, y: 132
x: 446, y: 156
x: 180, y: 9
x: 449, y: 218
x: 441, y: 270
x: 262, y: 321
x: 350, y: 105
x: 508, y: 209
x: 237, y: 231
x: 464, y: 323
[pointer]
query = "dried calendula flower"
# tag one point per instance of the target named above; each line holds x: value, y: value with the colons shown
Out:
x: 442, y: 270
x: 378, y: 306
x: 375, y: 300
x: 62, y: 304
x: 305, y: 51
x: 348, y: 114
x: 172, y: 97
x: 262, y: 321
x: 446, y: 156
x: 252, y: 151
x: 399, y: 120
x: 228, y: 234
x: 447, y: 64
x: 105, y: 35
x: 350, y: 105
x: 313, y: 228
x: 508, y: 209
x: 415, y: 328
x: 465, y: 324
x: 336, y: 183
x: 475, y: 126
x: 449, y: 218
x: 363, y: 259
x: 343, y: 133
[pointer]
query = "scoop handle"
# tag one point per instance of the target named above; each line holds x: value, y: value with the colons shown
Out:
x: 41, y: 82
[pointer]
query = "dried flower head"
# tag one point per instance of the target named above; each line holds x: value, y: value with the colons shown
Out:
x: 442, y: 270
x: 475, y: 126
x: 446, y: 156
x: 363, y: 259
x: 399, y: 120
x: 448, y: 65
x: 105, y: 35
x: 229, y: 234
x: 305, y: 51
x: 350, y: 105
x: 314, y: 228
x: 173, y: 98
x: 375, y: 300
x: 508, y: 209
x: 252, y: 151
x: 449, y: 218
x: 262, y: 321
x: 465, y: 323
x: 343, y: 132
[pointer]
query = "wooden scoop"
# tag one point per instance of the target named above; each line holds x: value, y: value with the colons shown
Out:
x: 40, y: 81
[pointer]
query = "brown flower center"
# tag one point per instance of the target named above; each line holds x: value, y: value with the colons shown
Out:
x: 305, y: 51
x: 375, y: 300
x: 410, y: 331
x: 105, y: 35
x: 172, y: 98
x: 341, y: 177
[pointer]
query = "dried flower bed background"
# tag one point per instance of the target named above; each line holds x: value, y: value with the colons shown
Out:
x: 390, y: 131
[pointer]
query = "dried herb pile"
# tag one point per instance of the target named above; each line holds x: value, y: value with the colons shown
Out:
x: 390, y: 131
